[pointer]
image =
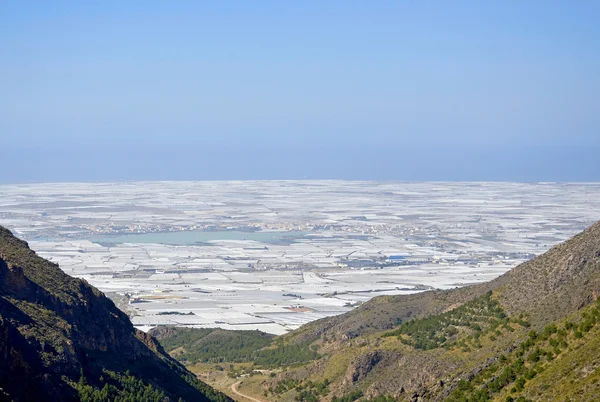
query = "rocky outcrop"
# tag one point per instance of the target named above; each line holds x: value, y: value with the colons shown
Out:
x: 361, y: 366
x: 13, y: 277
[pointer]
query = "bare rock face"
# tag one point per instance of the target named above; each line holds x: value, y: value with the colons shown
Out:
x: 162, y: 332
x: 362, y: 366
x: 14, y: 277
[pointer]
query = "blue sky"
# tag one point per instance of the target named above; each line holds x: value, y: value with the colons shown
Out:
x: 384, y: 90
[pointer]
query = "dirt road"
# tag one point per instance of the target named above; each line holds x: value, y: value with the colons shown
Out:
x: 235, y: 391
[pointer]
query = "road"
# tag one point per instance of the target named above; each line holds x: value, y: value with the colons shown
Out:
x: 235, y: 391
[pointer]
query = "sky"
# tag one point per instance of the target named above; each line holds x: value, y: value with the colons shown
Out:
x: 368, y: 90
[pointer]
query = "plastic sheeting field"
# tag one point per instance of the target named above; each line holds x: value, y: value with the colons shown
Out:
x: 274, y: 255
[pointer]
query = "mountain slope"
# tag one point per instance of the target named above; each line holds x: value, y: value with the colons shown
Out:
x: 544, y: 285
x: 561, y: 281
x: 533, y: 295
x: 63, y: 340
x: 467, y: 344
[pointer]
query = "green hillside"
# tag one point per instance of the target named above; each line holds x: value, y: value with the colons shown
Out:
x: 213, y: 345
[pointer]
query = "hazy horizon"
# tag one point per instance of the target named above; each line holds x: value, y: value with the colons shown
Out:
x: 390, y: 181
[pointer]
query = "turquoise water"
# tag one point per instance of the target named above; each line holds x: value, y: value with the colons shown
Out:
x: 197, y: 237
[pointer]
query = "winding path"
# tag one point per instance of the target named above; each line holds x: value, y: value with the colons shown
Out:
x: 235, y: 391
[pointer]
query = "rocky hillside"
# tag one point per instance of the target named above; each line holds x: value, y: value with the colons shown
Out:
x: 524, y: 336
x: 63, y: 340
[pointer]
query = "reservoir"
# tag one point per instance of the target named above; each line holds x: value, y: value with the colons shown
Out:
x: 186, y: 238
